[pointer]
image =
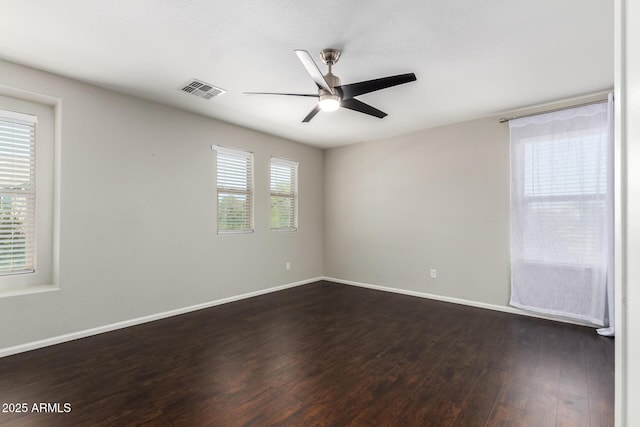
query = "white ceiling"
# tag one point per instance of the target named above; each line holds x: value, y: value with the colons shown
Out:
x: 472, y: 58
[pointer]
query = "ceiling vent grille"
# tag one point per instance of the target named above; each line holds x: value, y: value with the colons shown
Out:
x: 201, y: 89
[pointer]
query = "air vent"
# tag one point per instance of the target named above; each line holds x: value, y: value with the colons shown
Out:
x: 201, y: 89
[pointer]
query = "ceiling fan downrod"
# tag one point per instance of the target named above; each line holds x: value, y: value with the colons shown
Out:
x: 331, y: 57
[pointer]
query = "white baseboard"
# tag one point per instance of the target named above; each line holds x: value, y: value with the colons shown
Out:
x: 150, y: 318
x: 144, y: 319
x: 495, y: 307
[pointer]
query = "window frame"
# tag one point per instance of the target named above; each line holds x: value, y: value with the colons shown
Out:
x: 18, y: 215
x: 234, y: 191
x: 44, y: 277
x: 292, y: 195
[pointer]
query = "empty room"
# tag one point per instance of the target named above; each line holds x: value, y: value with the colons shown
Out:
x: 296, y: 213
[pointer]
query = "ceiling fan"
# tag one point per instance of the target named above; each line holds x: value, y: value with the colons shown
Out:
x: 333, y: 95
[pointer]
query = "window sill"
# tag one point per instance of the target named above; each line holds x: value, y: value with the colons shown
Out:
x: 225, y: 232
x: 551, y: 264
x: 27, y: 290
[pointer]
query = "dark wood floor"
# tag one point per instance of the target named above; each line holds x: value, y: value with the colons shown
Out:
x: 322, y: 354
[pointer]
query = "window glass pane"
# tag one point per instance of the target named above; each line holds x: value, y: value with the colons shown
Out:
x: 233, y: 212
x: 569, y: 165
x: 564, y: 231
x: 282, y: 215
x: 233, y: 172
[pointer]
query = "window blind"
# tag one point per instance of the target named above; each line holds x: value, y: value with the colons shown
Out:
x: 17, y: 192
x: 564, y: 183
x: 284, y: 194
x: 235, y: 190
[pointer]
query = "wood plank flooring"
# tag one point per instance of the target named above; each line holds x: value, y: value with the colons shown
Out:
x: 322, y: 355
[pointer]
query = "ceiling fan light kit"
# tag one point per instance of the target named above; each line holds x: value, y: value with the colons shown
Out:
x: 332, y: 95
x: 329, y: 102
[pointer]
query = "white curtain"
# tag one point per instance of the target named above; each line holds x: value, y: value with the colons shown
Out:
x: 562, y: 213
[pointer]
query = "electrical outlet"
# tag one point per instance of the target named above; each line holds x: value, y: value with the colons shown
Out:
x: 434, y: 273
x: 287, y: 265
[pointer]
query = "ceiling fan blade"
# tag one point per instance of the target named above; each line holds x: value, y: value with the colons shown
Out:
x: 311, y: 114
x: 313, y: 70
x: 355, y: 105
x: 277, y: 93
x: 360, y: 88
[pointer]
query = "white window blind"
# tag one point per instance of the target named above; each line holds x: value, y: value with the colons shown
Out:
x: 284, y: 194
x: 564, y: 197
x: 235, y: 190
x: 17, y: 193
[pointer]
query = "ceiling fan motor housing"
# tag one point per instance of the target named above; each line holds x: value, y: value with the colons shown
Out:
x: 330, y: 101
x: 332, y: 80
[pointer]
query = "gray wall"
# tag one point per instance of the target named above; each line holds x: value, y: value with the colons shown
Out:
x: 137, y: 213
x: 439, y: 198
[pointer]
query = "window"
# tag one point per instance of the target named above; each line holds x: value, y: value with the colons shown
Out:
x: 564, y: 198
x: 235, y: 190
x: 284, y: 195
x: 17, y: 192
x: 28, y: 183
